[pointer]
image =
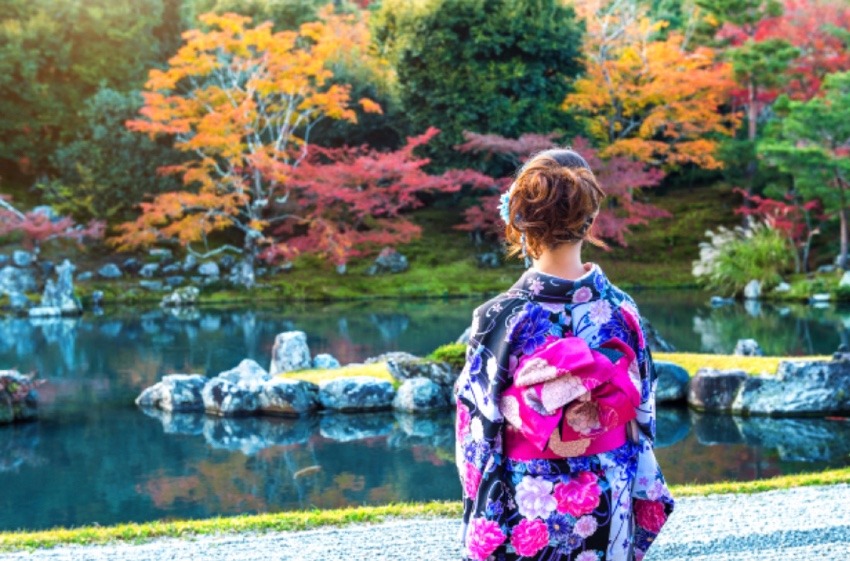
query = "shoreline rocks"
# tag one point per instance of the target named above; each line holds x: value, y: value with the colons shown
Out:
x: 18, y: 397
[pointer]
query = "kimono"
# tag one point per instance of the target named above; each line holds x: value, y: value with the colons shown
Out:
x: 555, y: 426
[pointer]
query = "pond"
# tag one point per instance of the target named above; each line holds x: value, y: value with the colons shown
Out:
x: 93, y: 457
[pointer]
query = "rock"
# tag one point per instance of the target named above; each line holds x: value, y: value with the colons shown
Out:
x: 403, y: 366
x: 109, y: 271
x: 747, y: 347
x: 60, y: 295
x: 821, y: 297
x: 209, y: 269
x: 799, y: 388
x: 44, y: 312
x: 341, y: 269
x: 718, y: 301
x: 226, y: 262
x: 827, y: 269
x: 325, y: 362
x: 189, y: 263
x: 388, y: 261
x: 171, y: 269
x: 785, y: 287
x: 97, y: 298
x: 236, y: 391
x: 13, y: 279
x: 175, y: 280
x: 672, y: 382
x: 357, y: 393
x: 47, y: 268
x: 489, y: 260
x: 19, y: 302
x: 242, y: 274
x: 464, y: 337
x: 161, y: 253
x: 654, y: 340
x: 18, y: 397
x: 4, y: 260
x: 22, y: 258
x: 176, y: 392
x: 85, y: 276
x: 348, y: 428
x: 186, y: 296
x: 290, y: 352
x: 152, y: 285
x: 753, y: 290
x: 149, y: 270
x: 421, y: 394
x: 131, y: 265
x: 289, y: 398
x: 715, y: 390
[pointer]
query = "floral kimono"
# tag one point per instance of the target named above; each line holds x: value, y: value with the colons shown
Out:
x: 556, y: 424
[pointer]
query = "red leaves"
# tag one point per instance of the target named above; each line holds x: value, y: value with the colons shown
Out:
x: 37, y: 227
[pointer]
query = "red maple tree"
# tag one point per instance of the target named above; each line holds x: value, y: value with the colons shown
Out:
x: 37, y: 228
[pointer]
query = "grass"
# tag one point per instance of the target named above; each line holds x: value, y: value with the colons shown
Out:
x: 317, y: 376
x: 305, y: 520
x: 750, y: 364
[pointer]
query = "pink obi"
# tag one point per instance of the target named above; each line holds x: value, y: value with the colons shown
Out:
x: 569, y: 400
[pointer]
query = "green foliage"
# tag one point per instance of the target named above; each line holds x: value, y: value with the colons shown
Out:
x: 284, y: 14
x: 489, y: 66
x: 106, y: 170
x: 55, y: 54
x: 732, y: 258
x: 452, y: 353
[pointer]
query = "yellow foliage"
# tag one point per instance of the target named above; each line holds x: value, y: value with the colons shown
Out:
x: 377, y: 370
x: 750, y: 364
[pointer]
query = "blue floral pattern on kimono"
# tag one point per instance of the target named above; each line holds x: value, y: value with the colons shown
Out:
x: 607, y: 506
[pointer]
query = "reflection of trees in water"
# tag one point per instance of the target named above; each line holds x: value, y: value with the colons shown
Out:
x: 19, y: 447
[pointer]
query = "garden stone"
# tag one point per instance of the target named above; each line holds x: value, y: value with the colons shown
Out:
x: 348, y: 428
x: 152, y: 285
x: 44, y: 312
x: 160, y: 253
x: 753, y: 290
x: 289, y: 398
x: 820, y: 298
x: 175, y: 280
x: 420, y: 394
x: 325, y: 362
x: 47, y: 268
x: 131, y: 265
x: 488, y: 260
x: 226, y: 262
x: 403, y: 366
x: 248, y: 372
x: 672, y: 382
x: 173, y: 268
x: 748, y: 347
x: 186, y: 296
x: 109, y: 271
x: 13, y: 279
x: 654, y: 340
x: 19, y: 302
x: 60, y: 295
x: 388, y: 261
x: 785, y: 287
x: 209, y: 269
x: 189, y: 263
x: 85, y: 276
x: 149, y: 270
x: 235, y: 391
x: 357, y: 393
x: 820, y: 387
x: 22, y: 258
x: 715, y: 390
x: 176, y: 392
x: 97, y: 298
x: 290, y: 352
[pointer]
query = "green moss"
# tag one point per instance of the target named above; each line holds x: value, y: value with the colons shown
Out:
x: 305, y: 520
x: 453, y: 353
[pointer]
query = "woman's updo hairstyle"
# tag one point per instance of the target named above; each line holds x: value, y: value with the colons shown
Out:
x: 553, y: 200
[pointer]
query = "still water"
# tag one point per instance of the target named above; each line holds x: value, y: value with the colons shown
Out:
x: 94, y: 458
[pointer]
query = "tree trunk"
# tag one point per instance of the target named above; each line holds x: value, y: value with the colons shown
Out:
x: 244, y: 270
x: 842, y: 256
x: 752, y: 132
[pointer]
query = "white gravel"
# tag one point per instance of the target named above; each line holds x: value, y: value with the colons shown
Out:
x: 804, y: 523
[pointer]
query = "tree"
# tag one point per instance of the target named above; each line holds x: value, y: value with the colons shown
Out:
x: 621, y: 178
x: 812, y: 145
x: 37, y: 227
x: 492, y: 66
x: 107, y: 170
x: 648, y: 98
x: 240, y: 101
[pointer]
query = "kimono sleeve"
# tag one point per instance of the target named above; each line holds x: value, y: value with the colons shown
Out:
x: 485, y: 375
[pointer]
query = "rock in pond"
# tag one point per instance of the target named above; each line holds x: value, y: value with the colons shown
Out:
x: 672, y: 382
x: 748, y: 347
x: 421, y: 394
x: 18, y: 397
x: 186, y: 296
x: 325, y: 361
x: 800, y: 388
x: 236, y: 391
x: 288, y: 398
x: 176, y: 392
x: 251, y: 435
x: 753, y: 290
x: 715, y: 390
x: 357, y: 393
x: 404, y: 366
x: 109, y: 271
x: 290, y: 352
x: 184, y: 422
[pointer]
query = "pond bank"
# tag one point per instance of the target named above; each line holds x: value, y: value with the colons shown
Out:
x: 766, y: 526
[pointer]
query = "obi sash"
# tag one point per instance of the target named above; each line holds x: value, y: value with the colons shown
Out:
x: 568, y: 399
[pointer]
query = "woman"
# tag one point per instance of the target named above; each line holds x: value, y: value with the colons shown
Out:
x: 556, y: 402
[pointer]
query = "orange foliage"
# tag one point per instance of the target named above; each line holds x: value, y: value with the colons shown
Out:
x: 650, y: 99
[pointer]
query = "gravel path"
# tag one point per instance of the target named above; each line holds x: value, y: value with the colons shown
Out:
x: 804, y: 523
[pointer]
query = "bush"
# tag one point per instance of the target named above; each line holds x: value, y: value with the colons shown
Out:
x: 453, y: 353
x: 732, y: 258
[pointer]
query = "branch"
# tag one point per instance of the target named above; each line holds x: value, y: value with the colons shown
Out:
x: 214, y: 252
x: 5, y: 204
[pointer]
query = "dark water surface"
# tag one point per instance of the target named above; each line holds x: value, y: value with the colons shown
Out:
x: 94, y: 458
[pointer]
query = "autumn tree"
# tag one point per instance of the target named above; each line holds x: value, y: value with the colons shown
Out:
x: 812, y: 145
x: 37, y: 227
x: 652, y: 99
x: 241, y: 102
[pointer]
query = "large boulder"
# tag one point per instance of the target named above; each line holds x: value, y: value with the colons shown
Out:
x: 715, y: 390
x: 161, y: 253
x: 799, y: 388
x: 175, y: 392
x: 186, y: 296
x: 22, y: 258
x: 18, y: 397
x: 672, y: 382
x: 357, y: 393
x: 753, y: 290
x: 290, y: 352
x: 404, y: 366
x: 60, y: 295
x: 209, y: 269
x: 388, y: 261
x: 748, y: 347
x: 109, y: 271
x: 14, y: 280
x: 288, y: 398
x: 236, y: 391
x: 421, y: 394
x: 149, y: 270
x: 325, y: 361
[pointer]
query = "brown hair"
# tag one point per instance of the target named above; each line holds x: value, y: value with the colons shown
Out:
x: 553, y: 200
